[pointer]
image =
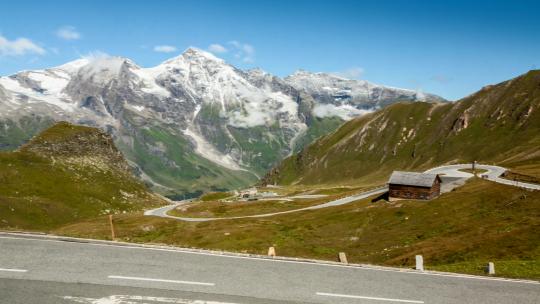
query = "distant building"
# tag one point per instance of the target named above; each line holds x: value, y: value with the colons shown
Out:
x: 414, y: 185
x: 248, y: 193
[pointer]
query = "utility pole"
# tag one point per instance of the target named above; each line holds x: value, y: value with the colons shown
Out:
x: 112, y: 227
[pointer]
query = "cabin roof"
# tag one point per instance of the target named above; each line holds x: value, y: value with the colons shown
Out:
x: 412, y: 178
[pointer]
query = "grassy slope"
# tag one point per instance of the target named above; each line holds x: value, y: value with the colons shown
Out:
x: 214, y: 196
x: 242, y: 208
x: 15, y: 133
x: 479, y: 222
x: 499, y: 124
x: 43, y: 185
x: 318, y: 127
x: 212, y: 205
x: 166, y: 157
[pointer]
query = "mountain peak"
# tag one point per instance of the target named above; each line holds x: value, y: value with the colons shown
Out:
x: 194, y: 54
x: 102, y: 69
x: 302, y: 72
x: 73, y: 66
x: 257, y: 71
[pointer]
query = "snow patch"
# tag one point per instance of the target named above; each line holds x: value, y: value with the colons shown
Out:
x: 53, y: 84
x: 101, y: 69
x: 34, y: 97
x: 73, y: 66
x: 207, y: 150
x: 148, y: 79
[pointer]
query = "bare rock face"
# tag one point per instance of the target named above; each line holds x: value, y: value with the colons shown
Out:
x: 462, y: 122
x: 78, y: 145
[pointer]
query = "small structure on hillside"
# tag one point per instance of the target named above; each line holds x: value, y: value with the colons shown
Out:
x: 414, y: 185
x: 250, y: 193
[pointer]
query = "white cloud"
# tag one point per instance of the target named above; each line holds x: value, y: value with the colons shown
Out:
x: 243, y: 51
x: 345, y: 112
x: 351, y: 73
x: 217, y: 48
x: 165, y: 48
x: 18, y: 47
x: 68, y: 33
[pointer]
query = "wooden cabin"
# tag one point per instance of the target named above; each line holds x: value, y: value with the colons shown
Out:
x: 414, y: 185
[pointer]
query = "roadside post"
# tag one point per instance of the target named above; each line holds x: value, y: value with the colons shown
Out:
x: 343, y: 258
x: 112, y: 227
x: 419, y: 263
x: 490, y: 268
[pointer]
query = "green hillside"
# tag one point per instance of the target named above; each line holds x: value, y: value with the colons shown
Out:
x: 160, y: 152
x: 499, y: 124
x: 65, y: 174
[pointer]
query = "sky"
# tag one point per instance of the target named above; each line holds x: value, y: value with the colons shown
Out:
x: 449, y: 48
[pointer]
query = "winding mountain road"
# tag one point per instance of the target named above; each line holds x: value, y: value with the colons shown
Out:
x: 162, y: 211
x: 451, y: 176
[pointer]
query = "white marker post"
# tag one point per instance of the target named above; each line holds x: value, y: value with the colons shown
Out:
x: 343, y: 258
x: 491, y: 268
x: 272, y: 251
x: 419, y: 263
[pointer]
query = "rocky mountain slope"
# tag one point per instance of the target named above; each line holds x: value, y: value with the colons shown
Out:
x: 498, y: 124
x: 65, y: 174
x: 348, y: 98
x: 193, y: 122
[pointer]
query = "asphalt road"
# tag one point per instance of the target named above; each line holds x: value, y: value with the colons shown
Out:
x: 162, y: 211
x: 42, y: 270
x: 493, y: 174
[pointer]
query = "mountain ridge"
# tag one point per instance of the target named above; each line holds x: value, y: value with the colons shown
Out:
x: 192, y: 117
x: 500, y: 124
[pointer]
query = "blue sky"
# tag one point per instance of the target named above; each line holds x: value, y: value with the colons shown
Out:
x: 450, y: 48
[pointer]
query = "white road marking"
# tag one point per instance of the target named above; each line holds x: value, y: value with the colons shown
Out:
x: 126, y: 299
x: 160, y: 280
x: 366, y: 298
x: 321, y: 264
x: 13, y: 270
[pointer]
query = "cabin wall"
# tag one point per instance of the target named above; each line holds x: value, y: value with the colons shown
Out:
x: 414, y: 192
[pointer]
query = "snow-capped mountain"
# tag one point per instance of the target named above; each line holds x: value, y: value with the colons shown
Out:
x: 348, y: 98
x: 193, y: 122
